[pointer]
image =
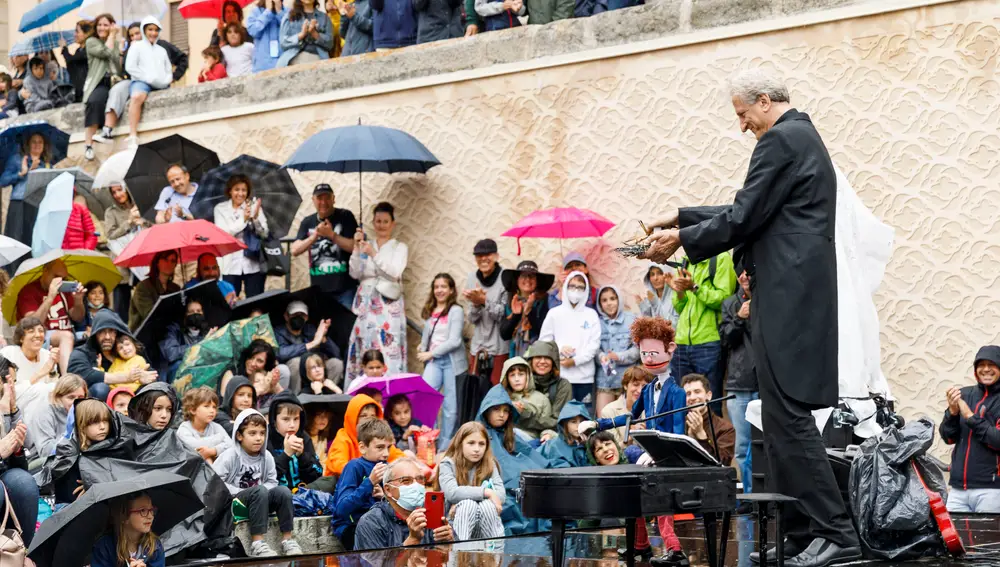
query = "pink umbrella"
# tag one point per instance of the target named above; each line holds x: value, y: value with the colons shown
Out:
x: 561, y: 223
x: 426, y: 401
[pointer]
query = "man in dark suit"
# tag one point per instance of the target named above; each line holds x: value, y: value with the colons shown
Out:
x: 782, y: 226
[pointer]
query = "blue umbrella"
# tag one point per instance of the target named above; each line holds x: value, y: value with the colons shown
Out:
x: 13, y: 137
x: 45, y: 41
x: 350, y: 149
x: 53, y: 215
x: 46, y: 13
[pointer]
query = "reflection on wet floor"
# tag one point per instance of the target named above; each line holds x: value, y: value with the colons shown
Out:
x: 598, y: 548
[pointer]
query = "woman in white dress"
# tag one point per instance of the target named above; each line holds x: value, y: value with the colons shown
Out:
x: 381, y: 318
x: 242, y: 217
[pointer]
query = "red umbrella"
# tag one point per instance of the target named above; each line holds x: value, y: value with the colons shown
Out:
x: 211, y: 9
x: 189, y: 238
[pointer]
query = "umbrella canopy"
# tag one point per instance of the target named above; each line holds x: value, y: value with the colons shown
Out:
x: 67, y: 537
x: 46, y: 13
x: 341, y: 318
x: 115, y: 168
x: 39, y: 179
x: 124, y: 11
x: 279, y: 197
x: 569, y: 222
x: 190, y: 238
x: 426, y: 401
x: 336, y: 403
x: 83, y: 266
x: 206, y: 8
x: 53, y: 215
x: 11, y: 250
x: 44, y: 41
x: 14, y: 137
x: 271, y: 301
x: 147, y: 174
x: 170, y: 308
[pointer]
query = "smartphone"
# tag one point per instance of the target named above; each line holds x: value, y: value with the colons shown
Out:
x: 434, y: 509
x: 68, y: 287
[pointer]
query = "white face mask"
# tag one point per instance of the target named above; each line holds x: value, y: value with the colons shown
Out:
x: 575, y: 296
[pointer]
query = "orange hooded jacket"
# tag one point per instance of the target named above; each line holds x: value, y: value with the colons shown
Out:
x: 345, y: 445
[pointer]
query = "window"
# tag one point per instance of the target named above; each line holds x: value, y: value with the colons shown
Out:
x: 178, y: 28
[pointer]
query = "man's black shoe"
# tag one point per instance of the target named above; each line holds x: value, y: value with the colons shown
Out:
x: 639, y: 555
x: 672, y: 558
x: 823, y: 552
x: 791, y: 550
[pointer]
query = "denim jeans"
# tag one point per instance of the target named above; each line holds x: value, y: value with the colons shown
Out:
x: 23, y: 500
x: 978, y: 500
x: 738, y: 416
x: 700, y: 359
x: 440, y: 375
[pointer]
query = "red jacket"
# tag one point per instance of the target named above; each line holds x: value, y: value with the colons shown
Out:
x: 80, y: 232
x: 218, y: 71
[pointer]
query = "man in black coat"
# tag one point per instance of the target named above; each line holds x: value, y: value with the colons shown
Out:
x: 782, y: 226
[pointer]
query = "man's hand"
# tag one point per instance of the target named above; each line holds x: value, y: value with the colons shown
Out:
x: 475, y: 296
x: 682, y: 282
x: 54, y: 288
x: 953, y: 396
x: 444, y: 533
x: 963, y: 408
x: 378, y: 471
x: 471, y: 30
x: 325, y: 230
x: 207, y: 452
x: 744, y: 312
x: 168, y: 213
x: 695, y: 426
x: 417, y: 522
x: 668, y: 221
x: 662, y: 245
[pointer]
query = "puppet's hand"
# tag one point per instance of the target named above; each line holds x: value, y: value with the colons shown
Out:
x: 586, y: 428
x: 645, y: 460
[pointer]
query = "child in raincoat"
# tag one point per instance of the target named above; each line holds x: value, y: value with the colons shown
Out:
x: 533, y: 406
x: 569, y: 449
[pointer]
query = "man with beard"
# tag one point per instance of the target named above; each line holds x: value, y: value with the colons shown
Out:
x: 91, y: 360
x: 208, y: 270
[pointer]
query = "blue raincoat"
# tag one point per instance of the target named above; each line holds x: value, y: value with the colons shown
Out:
x: 560, y: 453
x: 512, y: 465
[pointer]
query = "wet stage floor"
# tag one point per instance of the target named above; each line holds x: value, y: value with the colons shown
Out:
x: 598, y: 548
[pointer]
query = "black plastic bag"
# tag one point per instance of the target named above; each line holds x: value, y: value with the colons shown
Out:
x: 890, y: 507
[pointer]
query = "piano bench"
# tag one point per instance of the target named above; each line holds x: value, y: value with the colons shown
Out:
x: 762, y: 503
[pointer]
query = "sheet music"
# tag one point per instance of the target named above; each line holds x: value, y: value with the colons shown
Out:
x: 648, y: 440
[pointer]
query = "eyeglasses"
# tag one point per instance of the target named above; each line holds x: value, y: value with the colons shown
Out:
x: 577, y: 288
x: 144, y: 512
x: 406, y: 480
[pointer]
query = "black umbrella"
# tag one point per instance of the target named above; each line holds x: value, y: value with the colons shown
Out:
x: 170, y: 308
x: 269, y: 302
x: 67, y: 537
x: 321, y: 306
x: 273, y: 185
x: 336, y: 403
x: 147, y: 176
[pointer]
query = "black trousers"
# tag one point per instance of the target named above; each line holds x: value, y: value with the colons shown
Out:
x: 798, y: 467
x: 260, y: 502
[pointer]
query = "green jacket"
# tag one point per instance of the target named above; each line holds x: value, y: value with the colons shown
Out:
x: 699, y: 311
x: 536, y: 406
x: 101, y: 61
x: 471, y: 17
x: 547, y: 11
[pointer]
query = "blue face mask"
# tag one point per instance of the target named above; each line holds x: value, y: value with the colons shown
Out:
x: 411, y: 497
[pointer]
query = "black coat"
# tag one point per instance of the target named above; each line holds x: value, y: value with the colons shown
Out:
x: 782, y: 224
x: 438, y: 19
x: 975, y: 459
x: 735, y: 333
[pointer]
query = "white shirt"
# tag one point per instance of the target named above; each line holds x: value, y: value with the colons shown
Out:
x: 239, y: 60
x: 661, y: 385
x: 169, y: 198
x: 230, y: 219
x: 28, y: 395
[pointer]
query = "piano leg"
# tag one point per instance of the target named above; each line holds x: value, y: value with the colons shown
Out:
x: 726, y: 517
x: 762, y: 529
x: 558, y: 533
x: 711, y: 539
x: 779, y: 535
x: 630, y: 542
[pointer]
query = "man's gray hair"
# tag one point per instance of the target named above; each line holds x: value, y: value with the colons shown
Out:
x: 749, y: 84
x: 387, y: 475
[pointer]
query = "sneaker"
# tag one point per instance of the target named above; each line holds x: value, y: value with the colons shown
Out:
x: 290, y: 547
x: 133, y: 141
x: 89, y: 153
x: 260, y: 548
x: 672, y: 558
x: 104, y: 136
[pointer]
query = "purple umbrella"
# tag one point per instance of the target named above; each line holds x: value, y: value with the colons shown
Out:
x: 426, y: 401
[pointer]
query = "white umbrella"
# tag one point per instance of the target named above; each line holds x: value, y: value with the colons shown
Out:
x: 11, y: 250
x: 124, y: 11
x: 113, y: 170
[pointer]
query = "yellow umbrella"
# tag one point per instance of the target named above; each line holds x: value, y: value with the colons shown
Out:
x: 83, y: 266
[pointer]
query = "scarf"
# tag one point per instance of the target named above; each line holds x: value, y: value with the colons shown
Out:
x: 489, y: 281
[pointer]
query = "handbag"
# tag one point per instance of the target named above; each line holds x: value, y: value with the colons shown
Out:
x: 388, y: 289
x: 272, y: 256
x: 12, y: 550
x: 252, y: 242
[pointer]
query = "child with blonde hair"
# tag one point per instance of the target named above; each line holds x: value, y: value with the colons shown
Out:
x: 132, y: 542
x: 469, y: 477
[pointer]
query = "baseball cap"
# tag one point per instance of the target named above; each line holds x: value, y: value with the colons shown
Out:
x: 297, y: 307
x: 485, y: 246
x: 573, y: 257
x: 322, y: 188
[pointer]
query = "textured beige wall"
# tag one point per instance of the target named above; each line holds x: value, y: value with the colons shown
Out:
x: 907, y: 103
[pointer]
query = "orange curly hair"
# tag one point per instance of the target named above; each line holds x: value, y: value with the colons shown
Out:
x: 652, y: 328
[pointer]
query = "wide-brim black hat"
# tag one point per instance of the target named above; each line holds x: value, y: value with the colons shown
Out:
x: 509, y: 277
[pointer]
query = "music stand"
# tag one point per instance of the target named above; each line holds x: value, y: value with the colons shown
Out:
x: 673, y: 450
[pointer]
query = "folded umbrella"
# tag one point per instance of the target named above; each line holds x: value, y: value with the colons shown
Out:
x: 561, y: 223
x: 46, y: 13
x: 83, y: 266
x: 211, y: 9
x: 66, y: 539
x: 190, y: 238
x: 42, y: 42
x: 426, y: 401
x: 147, y: 174
x: 38, y: 180
x: 124, y: 11
x: 280, y: 199
x: 14, y: 137
x: 53, y: 215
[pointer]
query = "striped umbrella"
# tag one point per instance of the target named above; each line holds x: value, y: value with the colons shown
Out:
x: 45, y: 41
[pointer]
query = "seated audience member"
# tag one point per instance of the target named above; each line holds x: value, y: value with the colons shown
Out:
x: 469, y: 477
x: 208, y: 270
x: 119, y: 399
x: 576, y: 328
x: 101, y: 60
x: 633, y: 381
x: 179, y: 337
x: 306, y: 34
x: 526, y: 288
x: 292, y: 449
x: 603, y: 449
x: 974, y: 483
x: 154, y: 406
x: 132, y: 541
x: 80, y: 231
x: 95, y: 427
x: 39, y: 91
x: 699, y: 391
x: 160, y: 282
x: 56, y: 310
x: 400, y: 519
x: 250, y: 475
x: 264, y: 27
x: 95, y: 298
x: 516, y: 379
x: 360, y: 484
x: 238, y: 51
x: 92, y: 361
x: 10, y: 103
x: 48, y: 425
x: 148, y: 64
x: 356, y: 27
x: 402, y: 422
x: 298, y: 337
x: 617, y: 352
x: 360, y: 409
x: 544, y: 359
x: 128, y: 358
x: 314, y: 369
x: 215, y: 65
x: 36, y: 366
x: 239, y: 395
x: 569, y: 449
x: 174, y: 202
x: 20, y: 486
x: 199, y: 430
x: 258, y: 363
x: 500, y: 14
x: 319, y: 425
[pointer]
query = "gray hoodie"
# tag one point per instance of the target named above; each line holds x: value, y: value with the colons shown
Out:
x: 241, y: 470
x: 48, y: 427
x: 454, y: 493
x: 43, y: 93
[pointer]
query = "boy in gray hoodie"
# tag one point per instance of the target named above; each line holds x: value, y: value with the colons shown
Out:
x: 39, y: 91
x: 251, y: 477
